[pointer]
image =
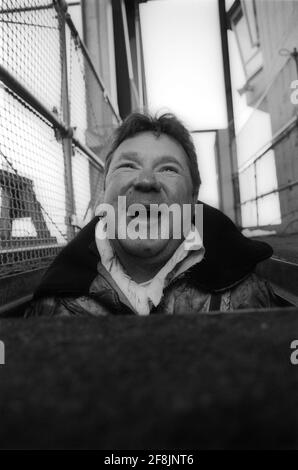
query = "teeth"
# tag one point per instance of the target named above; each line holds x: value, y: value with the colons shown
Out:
x: 148, y: 213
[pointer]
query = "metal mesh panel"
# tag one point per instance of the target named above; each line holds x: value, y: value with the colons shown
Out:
x: 97, y: 186
x: 88, y: 185
x: 76, y: 88
x: 30, y: 47
x: 32, y: 218
x: 49, y: 183
x: 90, y: 113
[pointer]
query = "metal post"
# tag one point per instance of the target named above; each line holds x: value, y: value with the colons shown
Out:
x: 230, y: 112
x: 256, y: 190
x: 294, y: 55
x: 61, y: 8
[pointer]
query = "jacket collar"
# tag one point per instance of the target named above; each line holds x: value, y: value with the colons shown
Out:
x: 229, y: 257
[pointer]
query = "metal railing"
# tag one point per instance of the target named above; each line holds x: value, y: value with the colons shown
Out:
x: 279, y: 137
x: 255, y: 186
x: 55, y: 116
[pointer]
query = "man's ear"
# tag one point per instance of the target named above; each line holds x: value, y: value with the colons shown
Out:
x: 193, y: 204
x: 195, y: 197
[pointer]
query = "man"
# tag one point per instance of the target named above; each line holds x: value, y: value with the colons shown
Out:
x: 209, y: 266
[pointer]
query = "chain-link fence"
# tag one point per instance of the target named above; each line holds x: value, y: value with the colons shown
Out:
x: 55, y: 116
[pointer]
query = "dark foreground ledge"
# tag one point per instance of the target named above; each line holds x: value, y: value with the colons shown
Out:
x: 190, y: 382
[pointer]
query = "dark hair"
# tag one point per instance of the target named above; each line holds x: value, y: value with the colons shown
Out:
x: 165, y: 124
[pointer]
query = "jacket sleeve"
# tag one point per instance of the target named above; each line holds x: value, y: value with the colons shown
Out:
x: 65, y: 307
x: 46, y: 307
x: 253, y: 292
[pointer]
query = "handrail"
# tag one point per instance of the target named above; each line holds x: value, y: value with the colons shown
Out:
x: 21, y: 91
x: 8, y: 11
x: 20, y: 303
x: 282, y: 275
x: 273, y: 191
x: 88, y: 151
x: 278, y: 136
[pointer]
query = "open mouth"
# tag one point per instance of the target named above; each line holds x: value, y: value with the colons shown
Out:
x: 147, y: 214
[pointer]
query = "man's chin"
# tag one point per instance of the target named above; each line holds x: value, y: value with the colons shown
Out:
x: 144, y: 248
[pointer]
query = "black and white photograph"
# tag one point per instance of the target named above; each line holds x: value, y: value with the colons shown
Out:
x: 149, y: 228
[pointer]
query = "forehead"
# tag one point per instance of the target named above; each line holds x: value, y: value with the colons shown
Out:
x: 147, y: 145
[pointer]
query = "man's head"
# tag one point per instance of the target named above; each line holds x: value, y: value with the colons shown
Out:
x: 165, y: 124
x: 152, y: 160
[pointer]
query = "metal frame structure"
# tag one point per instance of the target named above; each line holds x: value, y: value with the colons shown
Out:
x: 18, y: 281
x: 62, y: 126
x: 278, y: 137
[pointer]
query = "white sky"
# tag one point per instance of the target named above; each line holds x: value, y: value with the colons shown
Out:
x: 183, y: 60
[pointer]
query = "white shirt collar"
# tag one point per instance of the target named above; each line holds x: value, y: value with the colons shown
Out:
x: 141, y: 296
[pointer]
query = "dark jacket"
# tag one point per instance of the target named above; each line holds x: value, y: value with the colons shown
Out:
x: 77, y: 282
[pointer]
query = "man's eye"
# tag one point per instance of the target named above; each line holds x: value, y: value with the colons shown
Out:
x: 126, y: 165
x: 169, y: 169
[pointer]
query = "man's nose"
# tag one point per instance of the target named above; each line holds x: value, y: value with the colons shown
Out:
x: 147, y: 182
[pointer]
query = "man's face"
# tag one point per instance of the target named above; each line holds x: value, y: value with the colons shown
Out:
x: 149, y: 170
